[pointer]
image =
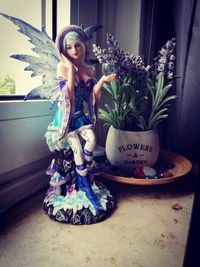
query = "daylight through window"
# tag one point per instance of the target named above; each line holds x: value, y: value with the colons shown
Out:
x: 13, y: 79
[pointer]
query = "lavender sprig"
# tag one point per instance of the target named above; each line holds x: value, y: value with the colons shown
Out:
x: 165, y: 61
x: 125, y: 63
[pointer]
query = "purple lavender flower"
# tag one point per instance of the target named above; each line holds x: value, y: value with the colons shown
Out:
x: 164, y: 62
x: 137, y: 94
x: 99, y: 53
x: 125, y: 63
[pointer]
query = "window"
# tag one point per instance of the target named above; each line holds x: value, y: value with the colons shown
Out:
x: 13, y: 79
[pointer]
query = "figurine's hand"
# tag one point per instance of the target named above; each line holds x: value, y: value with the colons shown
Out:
x: 98, y: 86
x: 68, y: 64
x: 109, y: 78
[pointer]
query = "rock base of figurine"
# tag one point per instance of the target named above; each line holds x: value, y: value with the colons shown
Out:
x: 57, y: 206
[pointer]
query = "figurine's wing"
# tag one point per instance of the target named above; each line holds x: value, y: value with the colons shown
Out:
x: 89, y: 31
x: 45, y: 62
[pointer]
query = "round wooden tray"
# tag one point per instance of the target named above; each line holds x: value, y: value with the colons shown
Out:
x: 182, y: 167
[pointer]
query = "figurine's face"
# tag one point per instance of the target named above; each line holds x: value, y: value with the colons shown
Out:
x: 74, y: 49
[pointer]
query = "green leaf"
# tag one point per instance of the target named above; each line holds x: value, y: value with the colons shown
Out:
x: 112, y: 117
x: 161, y: 95
x: 166, y: 100
x: 159, y: 86
x: 108, y: 89
x: 105, y: 116
x: 142, y: 123
x: 157, y: 122
x: 158, y: 116
x: 110, y: 110
x: 114, y: 85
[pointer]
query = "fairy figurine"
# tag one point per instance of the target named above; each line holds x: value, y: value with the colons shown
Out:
x: 68, y: 80
x: 78, y: 87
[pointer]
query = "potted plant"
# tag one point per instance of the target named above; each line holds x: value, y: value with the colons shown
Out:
x: 141, y: 99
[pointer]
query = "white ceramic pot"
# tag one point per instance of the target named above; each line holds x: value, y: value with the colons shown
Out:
x: 132, y: 149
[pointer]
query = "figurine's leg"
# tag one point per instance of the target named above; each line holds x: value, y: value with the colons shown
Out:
x: 76, y: 147
x: 58, y: 190
x: 90, y: 138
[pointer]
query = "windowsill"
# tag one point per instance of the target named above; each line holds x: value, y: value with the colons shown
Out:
x: 23, y: 101
x: 144, y: 230
x: 20, y: 109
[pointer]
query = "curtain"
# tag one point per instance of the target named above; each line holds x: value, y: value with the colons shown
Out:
x: 180, y: 19
x: 187, y: 25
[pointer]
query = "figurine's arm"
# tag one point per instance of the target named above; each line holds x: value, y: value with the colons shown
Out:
x: 99, y: 85
x: 66, y: 70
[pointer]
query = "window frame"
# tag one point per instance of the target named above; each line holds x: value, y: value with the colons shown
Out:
x: 54, y: 33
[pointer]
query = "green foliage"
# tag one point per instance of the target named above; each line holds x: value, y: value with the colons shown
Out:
x: 159, y: 102
x: 137, y: 108
x: 118, y: 90
x: 7, y: 85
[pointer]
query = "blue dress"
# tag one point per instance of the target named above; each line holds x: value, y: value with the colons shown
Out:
x: 65, y: 123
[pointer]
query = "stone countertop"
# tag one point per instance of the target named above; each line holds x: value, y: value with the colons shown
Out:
x: 149, y: 228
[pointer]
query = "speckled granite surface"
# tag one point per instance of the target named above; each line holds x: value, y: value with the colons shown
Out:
x: 145, y: 230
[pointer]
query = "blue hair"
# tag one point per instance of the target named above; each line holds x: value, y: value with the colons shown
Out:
x: 71, y: 35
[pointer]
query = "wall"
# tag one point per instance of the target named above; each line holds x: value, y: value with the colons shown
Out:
x: 24, y: 154
x: 120, y: 18
x: 127, y: 24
